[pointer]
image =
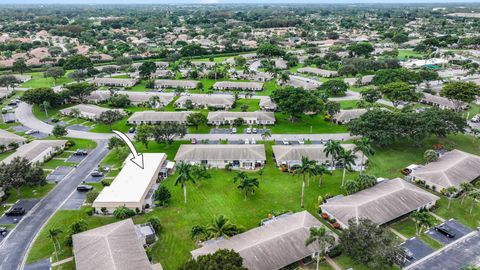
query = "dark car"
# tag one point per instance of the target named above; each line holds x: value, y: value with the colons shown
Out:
x: 15, y: 211
x: 3, y: 230
x: 80, y: 152
x: 131, y: 130
x: 445, y: 230
x: 96, y: 174
x: 83, y: 188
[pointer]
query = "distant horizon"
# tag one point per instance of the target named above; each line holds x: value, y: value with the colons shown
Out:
x: 193, y: 2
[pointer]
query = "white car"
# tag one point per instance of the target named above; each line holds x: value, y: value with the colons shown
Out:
x: 234, y: 130
x: 31, y: 131
x: 249, y: 130
x: 301, y: 141
x: 253, y: 141
x: 254, y: 130
x: 247, y: 141
x: 285, y: 141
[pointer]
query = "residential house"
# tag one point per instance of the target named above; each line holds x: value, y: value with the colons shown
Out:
x: 318, y: 72
x: 249, y: 118
x: 7, y: 138
x: 184, y: 84
x: 250, y: 86
x: 238, y: 156
x: 87, y: 111
x: 115, y: 82
x: 267, y: 104
x: 154, y: 117
x: 345, y: 116
x: 442, y: 102
x: 382, y: 203
x: 218, y: 101
x: 37, y: 151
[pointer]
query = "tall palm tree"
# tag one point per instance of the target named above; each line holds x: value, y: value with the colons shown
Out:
x: 305, y: 168
x: 422, y: 219
x: 246, y: 70
x: 284, y: 77
x: 333, y: 149
x: 53, y: 234
x: 200, y: 172
x: 184, y: 175
x: 222, y: 227
x: 450, y: 192
x: 466, y: 187
x: 46, y: 106
x: 323, y: 237
x: 364, y: 145
x: 474, y: 195
x: 247, y: 184
x: 347, y: 157
x: 320, y: 171
x: 266, y: 134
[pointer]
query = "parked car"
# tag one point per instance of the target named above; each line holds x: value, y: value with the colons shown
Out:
x: 96, y: 174
x: 285, y: 141
x: 301, y: 141
x: 249, y: 130
x: 80, y: 152
x: 445, y: 230
x: 254, y: 130
x: 31, y: 131
x: 253, y: 141
x: 131, y: 130
x: 193, y: 141
x: 83, y: 188
x: 15, y: 211
x: 247, y: 141
x: 3, y: 231
x: 234, y: 130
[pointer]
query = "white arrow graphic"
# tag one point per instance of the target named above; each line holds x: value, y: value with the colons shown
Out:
x: 137, y: 158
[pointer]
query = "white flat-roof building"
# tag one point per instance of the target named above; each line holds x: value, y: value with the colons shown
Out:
x: 134, y: 97
x: 318, y: 72
x: 132, y: 185
x: 305, y: 83
x: 249, y: 118
x: 345, y: 116
x: 118, y: 82
x: 185, y: 84
x: 154, y: 117
x: 87, y: 111
x: 250, y: 86
x: 7, y: 137
x: 218, y: 101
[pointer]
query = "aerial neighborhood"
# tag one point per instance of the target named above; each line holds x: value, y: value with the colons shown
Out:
x: 225, y: 136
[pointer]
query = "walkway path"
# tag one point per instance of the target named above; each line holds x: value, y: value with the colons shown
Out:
x: 333, y: 263
x: 401, y: 236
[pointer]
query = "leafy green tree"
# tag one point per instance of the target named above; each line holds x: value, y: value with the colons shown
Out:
x: 347, y: 158
x: 360, y: 48
x: 364, y: 145
x: 20, y: 66
x: 79, y: 91
x: 422, y: 220
x: 333, y: 149
x: 55, y: 73
x: 200, y: 172
x: 222, y: 259
x: 115, y: 142
x: 246, y: 184
x: 53, y: 234
x: 332, y: 107
x: 37, y: 96
x: 119, y: 100
x: 294, y: 102
x: 474, y: 195
x: 196, y: 119
x: 323, y: 237
x: 369, y: 244
x: 109, y: 117
x: 143, y: 134
x: 77, y: 75
x: 20, y: 172
x: 192, y: 50
x: 371, y: 95
x: 147, y: 68
x: 398, y: 92
x: 162, y: 195
x: 165, y: 132
x: 8, y: 81
x: 270, y: 50
x: 430, y: 155
x: 459, y: 92
x: 77, y: 62
x: 320, y: 171
x: 59, y: 131
x: 450, y: 193
x: 335, y: 88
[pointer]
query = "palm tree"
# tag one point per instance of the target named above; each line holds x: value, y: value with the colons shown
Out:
x: 364, y: 145
x: 321, y: 170
x: 333, y: 148
x: 184, y: 175
x: 221, y: 227
x: 351, y: 186
x: 154, y: 101
x: 266, y: 134
x: 466, y: 187
x: 53, y: 234
x: 246, y: 70
x: 247, y: 184
x: 284, y: 77
x: 323, y: 237
x: 46, y: 106
x: 200, y: 172
x: 422, y: 219
x: 347, y: 157
x: 305, y: 168
x: 474, y: 195
x: 450, y: 192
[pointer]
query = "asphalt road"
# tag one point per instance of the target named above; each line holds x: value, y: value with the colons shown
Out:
x: 14, y: 247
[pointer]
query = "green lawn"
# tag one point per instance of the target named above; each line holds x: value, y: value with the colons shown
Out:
x: 459, y: 211
x: 39, y: 81
x: 406, y: 227
x: 29, y: 192
x: 253, y: 105
x: 346, y: 263
x: 404, y: 54
x: 4, y: 155
x: 348, y: 104
x: 306, y: 125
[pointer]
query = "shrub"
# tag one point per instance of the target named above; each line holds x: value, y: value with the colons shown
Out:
x: 325, y: 216
x: 155, y: 222
x: 70, y: 143
x: 91, y: 196
x: 89, y: 211
x: 105, y: 182
x: 123, y: 212
x: 334, y: 252
x: 104, y: 210
x: 162, y: 196
x: 336, y: 225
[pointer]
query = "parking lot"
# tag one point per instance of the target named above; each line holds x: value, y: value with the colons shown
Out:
x: 79, y: 127
x: 417, y: 248
x: 75, y: 201
x: 25, y: 204
x: 76, y: 158
x: 20, y: 128
x: 457, y: 228
x: 59, y: 174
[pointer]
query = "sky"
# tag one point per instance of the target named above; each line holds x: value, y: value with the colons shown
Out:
x: 225, y: 1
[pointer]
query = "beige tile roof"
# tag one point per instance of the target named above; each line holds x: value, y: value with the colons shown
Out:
x: 197, y: 152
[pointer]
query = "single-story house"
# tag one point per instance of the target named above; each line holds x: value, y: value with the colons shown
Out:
x: 23, y: 77
x: 318, y: 72
x: 249, y: 118
x: 305, y: 83
x: 345, y: 116
x: 450, y: 170
x: 154, y: 117
x: 207, y: 64
x: 118, y: 82
x: 134, y: 97
x: 291, y: 155
x: 278, y: 243
x: 37, y: 151
x: 442, y: 102
x: 382, y: 203
x: 161, y: 64
x: 241, y: 156
x: 251, y: 86
x: 185, y: 84
x: 281, y: 64
x: 206, y: 100
x: 114, y: 246
x: 87, y: 111
x: 365, y: 80
x: 7, y: 137
x: 256, y: 76
x: 113, y: 67
x: 163, y: 73
x: 4, y: 93
x: 132, y: 187
x: 267, y: 104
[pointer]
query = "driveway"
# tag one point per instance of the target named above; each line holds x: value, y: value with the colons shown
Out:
x: 418, y: 249
x: 15, y: 246
x: 457, y: 228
